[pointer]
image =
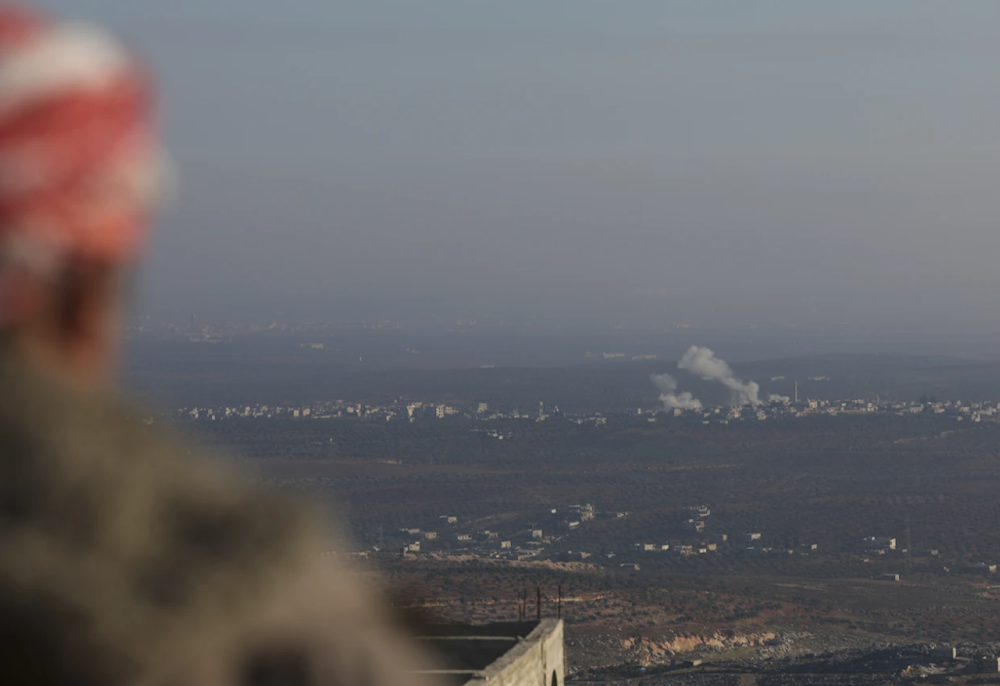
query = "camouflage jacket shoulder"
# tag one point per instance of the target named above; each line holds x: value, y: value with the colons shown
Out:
x: 126, y: 558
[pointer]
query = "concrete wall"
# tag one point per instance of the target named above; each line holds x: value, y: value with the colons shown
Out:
x: 537, y: 660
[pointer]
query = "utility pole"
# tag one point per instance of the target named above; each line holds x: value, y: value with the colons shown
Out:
x: 909, y: 543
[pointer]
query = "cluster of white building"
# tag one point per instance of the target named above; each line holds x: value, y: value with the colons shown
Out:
x: 526, y: 542
x: 960, y: 411
x: 416, y: 411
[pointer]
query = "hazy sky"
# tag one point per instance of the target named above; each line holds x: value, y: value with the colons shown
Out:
x: 783, y: 161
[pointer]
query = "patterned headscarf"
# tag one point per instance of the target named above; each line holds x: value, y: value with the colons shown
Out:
x: 80, y: 166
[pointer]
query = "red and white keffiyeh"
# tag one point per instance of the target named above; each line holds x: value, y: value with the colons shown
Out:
x: 80, y: 165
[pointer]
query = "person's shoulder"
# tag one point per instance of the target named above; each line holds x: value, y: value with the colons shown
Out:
x: 173, y: 558
x: 94, y: 468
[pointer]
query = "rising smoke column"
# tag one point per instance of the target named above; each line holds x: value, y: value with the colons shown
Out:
x: 704, y: 363
x: 670, y: 398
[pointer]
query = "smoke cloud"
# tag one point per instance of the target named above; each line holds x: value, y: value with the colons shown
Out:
x: 670, y: 398
x: 704, y: 363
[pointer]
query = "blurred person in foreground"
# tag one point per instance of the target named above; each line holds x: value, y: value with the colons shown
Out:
x: 124, y: 560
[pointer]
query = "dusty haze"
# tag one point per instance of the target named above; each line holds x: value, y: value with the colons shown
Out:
x: 725, y: 163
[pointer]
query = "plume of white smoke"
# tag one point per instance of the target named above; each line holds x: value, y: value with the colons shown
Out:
x: 773, y: 398
x: 704, y: 363
x: 671, y: 399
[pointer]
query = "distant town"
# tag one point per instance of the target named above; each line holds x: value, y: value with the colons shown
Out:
x: 416, y: 411
x: 545, y: 534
